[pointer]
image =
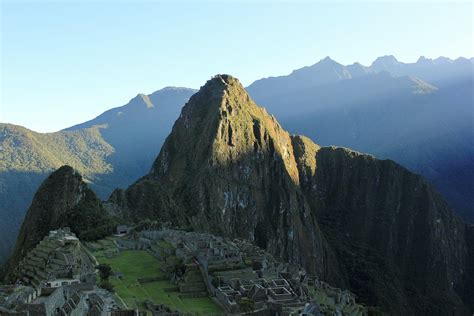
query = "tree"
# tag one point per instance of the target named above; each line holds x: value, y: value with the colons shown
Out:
x: 105, y: 270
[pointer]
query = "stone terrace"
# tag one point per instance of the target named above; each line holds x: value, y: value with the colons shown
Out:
x: 59, y: 257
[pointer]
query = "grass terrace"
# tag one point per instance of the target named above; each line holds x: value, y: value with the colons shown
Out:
x: 139, y: 264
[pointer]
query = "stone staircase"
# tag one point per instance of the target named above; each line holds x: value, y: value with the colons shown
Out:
x: 193, y: 284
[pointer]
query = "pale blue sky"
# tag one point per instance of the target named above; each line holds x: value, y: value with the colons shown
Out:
x: 65, y: 62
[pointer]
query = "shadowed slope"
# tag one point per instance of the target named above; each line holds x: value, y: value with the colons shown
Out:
x: 113, y: 150
x: 398, y: 243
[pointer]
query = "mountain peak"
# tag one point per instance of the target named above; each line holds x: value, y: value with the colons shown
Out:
x: 228, y: 79
x: 442, y: 60
x: 387, y: 60
x: 327, y: 59
x: 357, y: 70
x: 462, y: 60
x: 221, y: 113
x: 424, y: 60
x: 221, y: 91
x: 222, y: 82
x: 65, y: 171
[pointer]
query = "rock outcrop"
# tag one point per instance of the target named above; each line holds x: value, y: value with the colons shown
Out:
x: 229, y: 168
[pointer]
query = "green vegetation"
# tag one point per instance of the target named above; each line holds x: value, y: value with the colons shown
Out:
x: 139, y: 264
x: 200, y: 305
x: 105, y: 270
x: 88, y: 219
x: 25, y: 150
x: 107, y: 286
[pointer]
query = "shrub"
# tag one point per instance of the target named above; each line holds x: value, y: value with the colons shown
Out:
x: 106, y: 285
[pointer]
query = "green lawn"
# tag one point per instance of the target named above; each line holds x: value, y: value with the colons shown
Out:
x: 136, y: 264
x: 202, y: 305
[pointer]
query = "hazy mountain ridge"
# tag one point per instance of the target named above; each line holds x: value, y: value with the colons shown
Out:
x: 438, y: 71
x: 396, y: 114
x: 110, y: 151
x: 356, y: 221
x: 137, y: 131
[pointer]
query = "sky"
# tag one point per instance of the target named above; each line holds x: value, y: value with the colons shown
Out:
x: 65, y: 62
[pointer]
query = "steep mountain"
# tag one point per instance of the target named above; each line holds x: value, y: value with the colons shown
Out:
x: 398, y: 243
x: 112, y: 150
x: 228, y: 167
x: 425, y: 128
x: 27, y: 157
x: 62, y: 200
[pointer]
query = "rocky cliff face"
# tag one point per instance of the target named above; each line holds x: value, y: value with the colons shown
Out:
x: 63, y: 200
x: 468, y: 290
x: 397, y: 242
x: 229, y: 168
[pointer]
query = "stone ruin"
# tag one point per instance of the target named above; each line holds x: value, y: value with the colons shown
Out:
x: 160, y: 309
x: 76, y: 299
x: 239, y: 276
x: 57, y: 277
x: 59, y: 259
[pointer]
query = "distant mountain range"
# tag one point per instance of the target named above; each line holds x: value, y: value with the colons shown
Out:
x: 440, y: 71
x: 419, y: 115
